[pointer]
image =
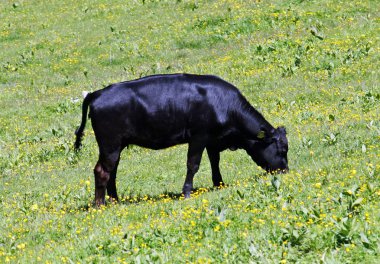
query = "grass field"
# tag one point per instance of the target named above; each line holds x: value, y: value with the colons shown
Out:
x: 312, y: 66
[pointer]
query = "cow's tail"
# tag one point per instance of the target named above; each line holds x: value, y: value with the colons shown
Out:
x: 79, y: 132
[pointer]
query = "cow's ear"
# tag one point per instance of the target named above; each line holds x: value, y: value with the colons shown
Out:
x: 261, y: 134
x: 279, y: 133
x: 281, y: 130
x: 265, y: 134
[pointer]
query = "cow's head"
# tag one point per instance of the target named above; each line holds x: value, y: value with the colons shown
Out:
x: 270, y: 150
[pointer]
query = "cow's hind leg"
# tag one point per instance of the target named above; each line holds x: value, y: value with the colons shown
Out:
x: 105, y: 175
x: 111, y: 186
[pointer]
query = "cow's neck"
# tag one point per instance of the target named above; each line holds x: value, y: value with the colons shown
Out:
x: 251, y: 122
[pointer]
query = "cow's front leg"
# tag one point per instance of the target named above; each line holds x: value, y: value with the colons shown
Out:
x: 214, y: 156
x: 194, y: 156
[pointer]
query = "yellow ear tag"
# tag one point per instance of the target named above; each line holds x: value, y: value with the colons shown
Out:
x: 261, y: 135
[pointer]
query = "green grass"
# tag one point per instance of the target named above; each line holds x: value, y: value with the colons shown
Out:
x: 312, y: 66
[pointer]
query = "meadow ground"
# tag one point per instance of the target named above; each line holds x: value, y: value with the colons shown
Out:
x: 312, y: 66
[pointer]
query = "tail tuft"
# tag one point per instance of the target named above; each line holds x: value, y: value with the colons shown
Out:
x: 78, y: 141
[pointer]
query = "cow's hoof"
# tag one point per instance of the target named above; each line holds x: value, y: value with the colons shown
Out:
x: 219, y: 185
x: 113, y: 200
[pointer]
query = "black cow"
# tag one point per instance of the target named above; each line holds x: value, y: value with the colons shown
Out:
x: 161, y: 111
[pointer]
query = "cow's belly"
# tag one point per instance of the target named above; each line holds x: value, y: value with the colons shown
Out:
x: 158, y: 141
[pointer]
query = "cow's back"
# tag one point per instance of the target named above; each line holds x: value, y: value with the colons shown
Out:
x: 163, y: 110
